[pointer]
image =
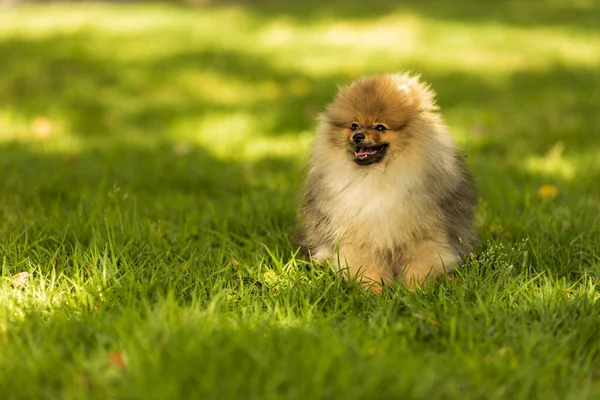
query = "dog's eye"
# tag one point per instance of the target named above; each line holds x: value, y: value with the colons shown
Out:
x: 380, y: 128
x: 354, y: 127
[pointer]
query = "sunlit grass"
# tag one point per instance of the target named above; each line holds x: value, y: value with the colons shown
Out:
x: 151, y: 158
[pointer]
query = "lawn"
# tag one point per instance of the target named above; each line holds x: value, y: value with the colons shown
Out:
x: 151, y: 159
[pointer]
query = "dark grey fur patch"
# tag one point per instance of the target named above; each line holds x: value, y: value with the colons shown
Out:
x: 459, y: 211
x: 312, y: 231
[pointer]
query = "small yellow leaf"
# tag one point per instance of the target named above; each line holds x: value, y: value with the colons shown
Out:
x: 229, y: 297
x: 270, y: 276
x: 547, y: 191
x: 504, y: 351
x: 184, y: 267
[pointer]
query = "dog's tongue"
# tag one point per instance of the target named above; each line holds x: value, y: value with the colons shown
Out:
x: 363, y: 151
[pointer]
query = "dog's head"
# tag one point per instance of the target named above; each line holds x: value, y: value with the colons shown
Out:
x: 378, y: 116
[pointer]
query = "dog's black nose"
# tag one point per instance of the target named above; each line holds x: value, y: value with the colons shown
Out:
x: 358, y: 137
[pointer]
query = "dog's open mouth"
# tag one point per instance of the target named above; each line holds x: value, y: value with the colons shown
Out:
x: 369, y: 155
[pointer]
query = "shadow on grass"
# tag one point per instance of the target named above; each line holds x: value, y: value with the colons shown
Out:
x: 99, y: 95
x: 155, y: 195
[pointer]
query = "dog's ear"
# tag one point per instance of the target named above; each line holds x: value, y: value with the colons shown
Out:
x: 417, y: 91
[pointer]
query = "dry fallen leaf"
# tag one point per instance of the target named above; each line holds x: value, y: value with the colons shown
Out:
x: 19, y: 280
x: 42, y: 127
x: 116, y: 359
x: 547, y: 191
x: 234, y: 261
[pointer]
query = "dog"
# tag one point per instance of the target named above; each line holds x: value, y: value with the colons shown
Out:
x: 387, y: 195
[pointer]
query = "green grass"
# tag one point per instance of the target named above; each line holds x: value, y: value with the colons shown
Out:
x: 154, y: 218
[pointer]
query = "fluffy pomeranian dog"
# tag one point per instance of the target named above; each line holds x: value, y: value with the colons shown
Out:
x: 387, y: 196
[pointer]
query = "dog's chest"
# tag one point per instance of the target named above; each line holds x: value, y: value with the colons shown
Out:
x: 375, y: 209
